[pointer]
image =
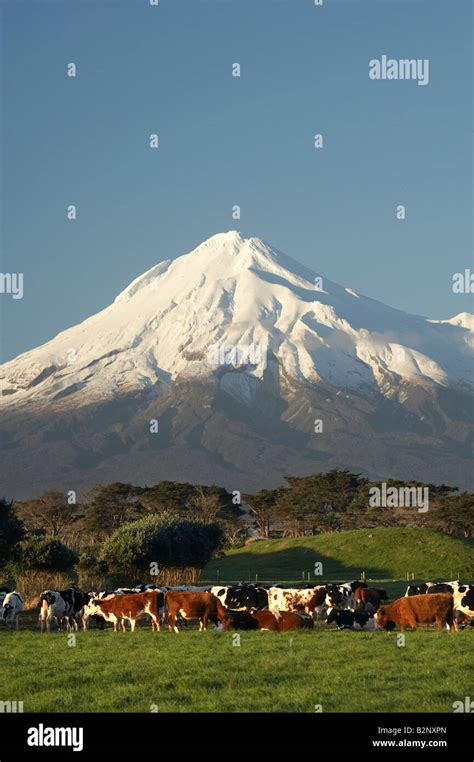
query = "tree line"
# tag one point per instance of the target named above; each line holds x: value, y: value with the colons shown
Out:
x: 339, y: 500
x: 117, y: 534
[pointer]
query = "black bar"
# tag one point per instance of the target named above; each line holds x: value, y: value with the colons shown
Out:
x: 132, y: 734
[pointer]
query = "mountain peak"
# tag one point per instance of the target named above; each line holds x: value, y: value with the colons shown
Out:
x: 238, y: 291
x: 236, y: 349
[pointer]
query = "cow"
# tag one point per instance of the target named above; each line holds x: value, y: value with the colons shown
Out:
x: 12, y: 606
x: 418, y: 589
x: 255, y: 620
x: 128, y: 607
x: 431, y: 588
x: 242, y: 597
x: 289, y: 620
x: 342, y: 596
x: 464, y: 600
x: 353, y: 620
x: 294, y: 600
x: 87, y: 612
x: 410, y: 611
x: 61, y: 606
x: 191, y: 605
x: 3, y: 593
x: 462, y: 620
x: 267, y: 620
x: 369, y: 598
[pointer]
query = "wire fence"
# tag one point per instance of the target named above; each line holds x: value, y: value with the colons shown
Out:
x: 305, y: 577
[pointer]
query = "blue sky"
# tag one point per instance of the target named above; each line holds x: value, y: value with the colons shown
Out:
x: 226, y: 141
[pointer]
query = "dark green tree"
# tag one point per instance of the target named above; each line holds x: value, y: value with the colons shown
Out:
x: 11, y: 531
x: 50, y: 513
x: 199, y: 501
x: 108, y: 507
x: 263, y: 507
x: 43, y: 553
x: 453, y: 515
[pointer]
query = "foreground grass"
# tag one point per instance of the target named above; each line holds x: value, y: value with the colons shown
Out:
x: 205, y: 672
x: 383, y: 553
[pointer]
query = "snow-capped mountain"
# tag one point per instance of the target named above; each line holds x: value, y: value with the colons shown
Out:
x: 238, y: 336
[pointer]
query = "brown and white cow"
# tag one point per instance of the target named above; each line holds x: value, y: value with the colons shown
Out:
x: 294, y: 600
x: 189, y: 605
x: 119, y: 608
x: 411, y: 611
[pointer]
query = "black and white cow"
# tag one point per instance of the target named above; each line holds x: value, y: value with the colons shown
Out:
x: 464, y: 600
x: 342, y: 596
x: 430, y: 588
x: 242, y: 598
x: 12, y: 607
x: 61, y: 606
x: 87, y: 613
x: 353, y: 620
x: 3, y: 593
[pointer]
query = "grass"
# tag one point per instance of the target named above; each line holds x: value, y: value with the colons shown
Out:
x: 268, y: 672
x: 205, y: 672
x: 384, y: 554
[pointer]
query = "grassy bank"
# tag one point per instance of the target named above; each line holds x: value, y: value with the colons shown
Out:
x: 383, y: 553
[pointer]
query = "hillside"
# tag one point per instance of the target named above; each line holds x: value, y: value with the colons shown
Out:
x: 384, y: 553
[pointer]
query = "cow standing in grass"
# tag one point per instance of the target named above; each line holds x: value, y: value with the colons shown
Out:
x: 120, y: 608
x: 189, y: 605
x: 294, y: 600
x: 242, y: 597
x: 61, y: 606
x: 3, y: 593
x: 12, y: 607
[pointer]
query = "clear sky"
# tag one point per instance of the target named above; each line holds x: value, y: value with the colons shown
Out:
x: 226, y: 140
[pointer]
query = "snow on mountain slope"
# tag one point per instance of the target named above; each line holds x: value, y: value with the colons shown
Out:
x: 177, y: 318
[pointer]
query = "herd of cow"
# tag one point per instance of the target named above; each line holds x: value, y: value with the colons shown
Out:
x: 352, y: 606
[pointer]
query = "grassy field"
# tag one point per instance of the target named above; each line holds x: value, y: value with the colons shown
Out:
x: 268, y: 672
x: 383, y: 553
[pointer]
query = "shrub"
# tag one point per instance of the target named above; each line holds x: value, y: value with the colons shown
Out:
x: 170, y: 542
